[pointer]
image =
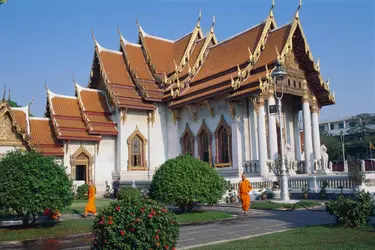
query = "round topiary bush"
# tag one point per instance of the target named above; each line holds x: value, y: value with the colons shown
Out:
x: 129, y: 193
x: 186, y: 181
x: 82, y: 192
x: 135, y: 224
x: 31, y: 183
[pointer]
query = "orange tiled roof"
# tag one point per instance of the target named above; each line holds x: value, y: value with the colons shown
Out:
x: 276, y: 38
x: 138, y: 63
x: 164, y: 52
x: 194, y: 56
x: 43, y: 137
x: 230, y: 53
x: 94, y: 105
x: 119, y: 79
x: 21, y: 117
x: 67, y: 118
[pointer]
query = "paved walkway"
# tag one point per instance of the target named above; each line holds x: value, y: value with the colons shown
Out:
x: 256, y: 223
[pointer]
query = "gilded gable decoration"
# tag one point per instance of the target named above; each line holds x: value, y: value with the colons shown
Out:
x: 193, y: 112
x: 176, y: 116
x: 209, y: 107
x: 232, y: 109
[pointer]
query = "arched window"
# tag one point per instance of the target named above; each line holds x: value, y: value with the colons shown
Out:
x: 223, y: 138
x: 205, y: 143
x: 137, y: 151
x: 187, y: 141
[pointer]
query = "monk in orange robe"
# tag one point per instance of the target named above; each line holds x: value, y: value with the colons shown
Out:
x: 244, y: 188
x: 90, y: 207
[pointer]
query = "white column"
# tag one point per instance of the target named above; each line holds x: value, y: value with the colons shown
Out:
x: 315, y: 131
x: 272, y: 134
x: 262, y: 140
x: 236, y: 144
x: 253, y: 131
x: 309, y: 155
x: 297, y: 137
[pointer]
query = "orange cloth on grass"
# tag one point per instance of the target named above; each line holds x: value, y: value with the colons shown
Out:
x: 244, y: 189
x: 90, y: 207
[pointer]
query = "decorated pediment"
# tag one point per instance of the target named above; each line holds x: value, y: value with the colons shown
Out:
x: 8, y: 134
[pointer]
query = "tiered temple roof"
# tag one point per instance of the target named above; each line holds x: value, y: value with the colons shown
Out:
x: 197, y: 67
x: 191, y: 69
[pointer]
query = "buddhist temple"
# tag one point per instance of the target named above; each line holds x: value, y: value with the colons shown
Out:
x: 155, y: 99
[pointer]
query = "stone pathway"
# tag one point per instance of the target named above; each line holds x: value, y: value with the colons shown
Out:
x: 258, y: 222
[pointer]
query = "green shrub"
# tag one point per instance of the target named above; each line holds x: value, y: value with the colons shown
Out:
x: 352, y: 212
x: 135, y: 224
x: 185, y: 181
x: 31, y: 183
x: 82, y: 192
x: 129, y: 193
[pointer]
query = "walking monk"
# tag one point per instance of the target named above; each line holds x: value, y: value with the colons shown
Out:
x: 244, y: 188
x: 90, y: 207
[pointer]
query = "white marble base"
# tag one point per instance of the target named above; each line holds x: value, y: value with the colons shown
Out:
x: 285, y: 202
x: 323, y: 172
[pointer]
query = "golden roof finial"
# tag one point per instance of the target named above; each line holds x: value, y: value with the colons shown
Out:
x: 318, y: 63
x: 5, y: 90
x: 32, y: 101
x: 175, y: 66
x: 297, y: 11
x: 213, y: 24
x: 199, y: 17
x: 92, y: 34
x: 45, y: 85
x: 73, y: 78
x: 118, y: 30
x: 271, y: 10
x: 9, y: 94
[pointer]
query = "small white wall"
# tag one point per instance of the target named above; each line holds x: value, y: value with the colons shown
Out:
x: 5, y: 149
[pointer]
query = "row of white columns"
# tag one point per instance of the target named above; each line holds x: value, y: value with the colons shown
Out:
x: 310, y: 114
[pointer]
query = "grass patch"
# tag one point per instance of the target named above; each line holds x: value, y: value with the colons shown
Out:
x: 268, y: 205
x: 317, y: 237
x: 78, y: 226
x: 201, y: 216
x: 78, y: 206
x: 47, y: 230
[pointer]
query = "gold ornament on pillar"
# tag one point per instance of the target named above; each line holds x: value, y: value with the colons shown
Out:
x: 305, y: 97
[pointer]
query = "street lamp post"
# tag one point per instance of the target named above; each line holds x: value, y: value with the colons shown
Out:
x: 278, y: 76
x: 343, y: 146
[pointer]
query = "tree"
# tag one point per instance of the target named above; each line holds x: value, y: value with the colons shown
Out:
x: 13, y: 104
x: 3, y: 1
x: 31, y: 183
x: 186, y: 181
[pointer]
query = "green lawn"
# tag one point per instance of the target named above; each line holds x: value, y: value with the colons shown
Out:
x: 65, y: 228
x: 77, y: 226
x: 268, y: 205
x: 318, y: 237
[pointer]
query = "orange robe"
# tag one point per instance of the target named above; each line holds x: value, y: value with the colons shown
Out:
x: 243, y: 190
x: 90, y: 207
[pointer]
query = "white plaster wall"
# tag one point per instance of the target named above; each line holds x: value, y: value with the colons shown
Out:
x: 104, y: 162
x: 157, y: 134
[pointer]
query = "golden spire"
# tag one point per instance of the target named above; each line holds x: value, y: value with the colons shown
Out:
x: 45, y: 85
x: 297, y: 11
x: 199, y: 18
x: 93, y: 35
x: 73, y: 78
x: 9, y: 94
x: 118, y: 31
x: 5, y: 90
x: 271, y: 10
x: 212, y: 26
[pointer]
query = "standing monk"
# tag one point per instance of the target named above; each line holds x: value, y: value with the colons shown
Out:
x: 90, y: 207
x: 244, y: 187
